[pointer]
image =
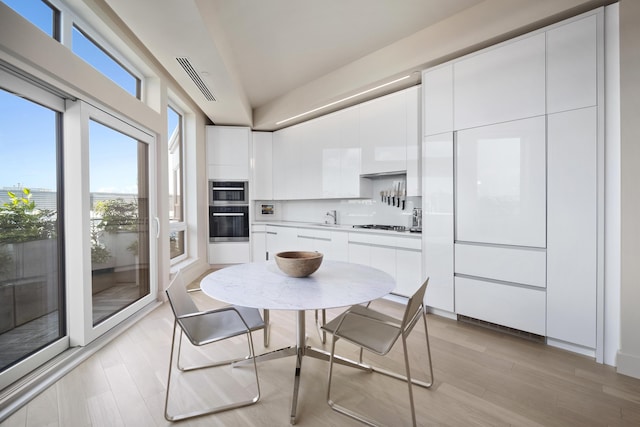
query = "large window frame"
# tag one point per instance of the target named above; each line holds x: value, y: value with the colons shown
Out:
x: 176, y: 141
x: 15, y: 84
x: 65, y: 21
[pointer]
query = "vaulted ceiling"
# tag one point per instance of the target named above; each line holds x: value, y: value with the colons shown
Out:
x: 267, y: 60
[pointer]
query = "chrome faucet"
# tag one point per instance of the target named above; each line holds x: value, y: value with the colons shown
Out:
x: 331, y: 214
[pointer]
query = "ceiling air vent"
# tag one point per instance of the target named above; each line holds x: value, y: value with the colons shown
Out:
x: 184, y: 62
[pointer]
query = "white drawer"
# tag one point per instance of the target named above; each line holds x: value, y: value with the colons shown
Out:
x: 517, y: 265
x: 384, y: 240
x: 512, y: 306
x: 311, y: 233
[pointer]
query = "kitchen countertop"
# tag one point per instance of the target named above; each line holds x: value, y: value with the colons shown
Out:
x: 339, y: 227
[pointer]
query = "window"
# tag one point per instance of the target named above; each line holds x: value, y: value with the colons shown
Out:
x: 32, y: 303
x: 84, y: 43
x: 177, y: 224
x: 101, y: 60
x: 39, y: 13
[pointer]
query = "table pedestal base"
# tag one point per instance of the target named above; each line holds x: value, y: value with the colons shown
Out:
x: 300, y: 350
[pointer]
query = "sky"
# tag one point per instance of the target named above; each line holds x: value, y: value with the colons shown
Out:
x: 27, y: 130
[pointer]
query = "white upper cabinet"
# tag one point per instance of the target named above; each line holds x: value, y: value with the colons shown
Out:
x: 501, y: 184
x: 501, y: 84
x: 383, y: 134
x: 572, y: 65
x: 319, y: 159
x: 262, y: 183
x: 437, y: 96
x: 346, y: 124
x: 286, y: 163
x: 414, y: 140
x: 228, y: 152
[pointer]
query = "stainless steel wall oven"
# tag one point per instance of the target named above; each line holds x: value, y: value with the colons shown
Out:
x: 228, y: 211
x: 228, y: 192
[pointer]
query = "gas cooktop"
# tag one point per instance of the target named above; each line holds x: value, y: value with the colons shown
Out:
x: 382, y: 227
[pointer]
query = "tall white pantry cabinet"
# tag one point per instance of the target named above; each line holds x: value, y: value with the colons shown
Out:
x: 512, y: 175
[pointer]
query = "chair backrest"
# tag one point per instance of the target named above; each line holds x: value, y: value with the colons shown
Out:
x: 416, y: 302
x: 181, y: 302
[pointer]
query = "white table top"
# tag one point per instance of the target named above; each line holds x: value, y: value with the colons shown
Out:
x: 263, y: 285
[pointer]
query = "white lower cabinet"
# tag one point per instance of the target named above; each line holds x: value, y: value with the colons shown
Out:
x: 408, y: 271
x: 258, y: 243
x: 281, y: 239
x: 229, y: 252
x: 332, y: 244
x: 516, y: 307
x: 400, y: 257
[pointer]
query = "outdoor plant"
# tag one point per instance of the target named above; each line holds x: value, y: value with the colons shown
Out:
x: 112, y: 216
x: 117, y: 215
x: 21, y: 221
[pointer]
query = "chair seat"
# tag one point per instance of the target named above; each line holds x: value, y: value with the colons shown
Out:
x: 358, y: 328
x: 206, y: 329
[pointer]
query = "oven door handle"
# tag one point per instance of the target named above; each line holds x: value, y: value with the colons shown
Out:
x: 227, y: 189
x: 229, y: 214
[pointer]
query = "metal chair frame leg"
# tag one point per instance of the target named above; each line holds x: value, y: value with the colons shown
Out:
x: 217, y: 409
x: 267, y: 327
x: 407, y: 377
x: 321, y: 333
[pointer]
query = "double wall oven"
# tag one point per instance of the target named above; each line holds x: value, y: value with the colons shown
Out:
x: 228, y: 211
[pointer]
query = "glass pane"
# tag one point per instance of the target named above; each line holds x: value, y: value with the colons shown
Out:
x: 176, y: 201
x: 31, y: 289
x: 86, y: 49
x: 175, y: 166
x: 176, y: 243
x: 37, y: 12
x: 119, y: 220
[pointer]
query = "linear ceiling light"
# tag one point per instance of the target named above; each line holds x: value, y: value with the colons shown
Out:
x: 343, y: 99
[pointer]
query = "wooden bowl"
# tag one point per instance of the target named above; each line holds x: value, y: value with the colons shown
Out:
x: 298, y: 263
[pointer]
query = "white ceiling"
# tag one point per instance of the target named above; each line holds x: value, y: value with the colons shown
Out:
x: 254, y: 54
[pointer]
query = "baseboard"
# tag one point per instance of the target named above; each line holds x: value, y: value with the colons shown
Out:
x: 628, y: 364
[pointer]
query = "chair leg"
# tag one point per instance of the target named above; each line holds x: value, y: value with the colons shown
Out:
x: 426, y: 335
x: 267, y: 326
x: 321, y: 332
x: 331, y: 403
x: 409, y: 382
x: 407, y: 378
x: 215, y: 410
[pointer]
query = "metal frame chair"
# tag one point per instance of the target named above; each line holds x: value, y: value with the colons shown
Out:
x: 265, y: 315
x: 378, y: 332
x: 206, y: 327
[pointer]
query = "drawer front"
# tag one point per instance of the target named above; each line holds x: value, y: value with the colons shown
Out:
x: 404, y: 242
x: 517, y: 265
x: 512, y: 306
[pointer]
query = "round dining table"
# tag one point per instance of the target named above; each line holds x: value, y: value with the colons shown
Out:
x: 263, y: 285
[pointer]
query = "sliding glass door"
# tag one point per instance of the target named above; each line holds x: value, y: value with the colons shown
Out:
x: 119, y: 212
x: 32, y: 304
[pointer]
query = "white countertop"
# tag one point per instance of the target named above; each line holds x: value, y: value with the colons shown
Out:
x: 338, y: 227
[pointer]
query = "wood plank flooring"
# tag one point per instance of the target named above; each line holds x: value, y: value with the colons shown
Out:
x: 483, y: 378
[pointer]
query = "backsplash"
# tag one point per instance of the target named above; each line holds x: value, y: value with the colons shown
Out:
x: 349, y: 211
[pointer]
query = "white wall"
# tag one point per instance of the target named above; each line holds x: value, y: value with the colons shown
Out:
x: 629, y: 353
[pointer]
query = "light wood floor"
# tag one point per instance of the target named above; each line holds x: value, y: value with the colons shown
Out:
x: 483, y: 378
